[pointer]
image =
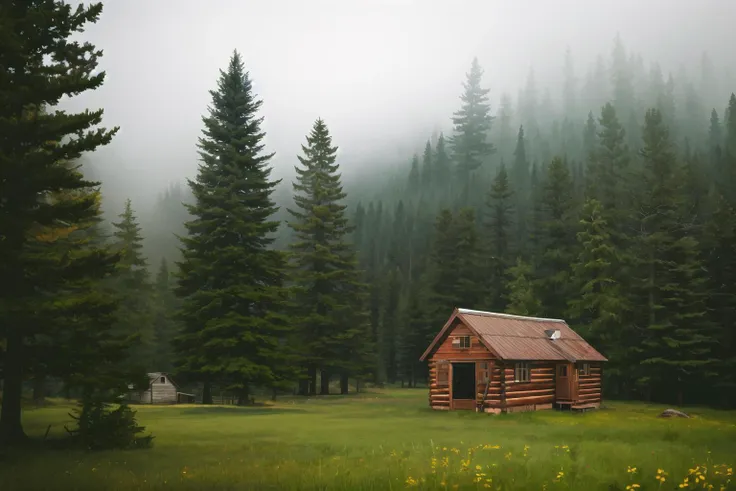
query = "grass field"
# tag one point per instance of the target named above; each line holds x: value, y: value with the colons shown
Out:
x: 387, y: 441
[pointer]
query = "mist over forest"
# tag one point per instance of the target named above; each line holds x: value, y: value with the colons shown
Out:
x: 267, y: 199
x: 385, y: 75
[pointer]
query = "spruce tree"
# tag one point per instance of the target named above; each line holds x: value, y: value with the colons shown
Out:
x: 504, y: 131
x: 427, y: 170
x: 164, y: 326
x: 467, y: 288
x: 523, y: 298
x: 590, y: 136
x: 132, y: 285
x: 328, y: 294
x: 472, y: 123
x: 230, y: 280
x: 499, y: 238
x: 599, y: 304
x: 443, y: 172
x: 609, y: 164
x: 720, y: 260
x: 31, y: 168
x: 443, y: 266
x: 557, y: 239
x: 521, y: 182
x: 677, y: 342
x: 415, y: 179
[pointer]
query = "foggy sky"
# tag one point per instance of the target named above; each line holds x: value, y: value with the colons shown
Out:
x: 383, y: 74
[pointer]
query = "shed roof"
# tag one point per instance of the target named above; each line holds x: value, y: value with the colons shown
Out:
x: 515, y: 337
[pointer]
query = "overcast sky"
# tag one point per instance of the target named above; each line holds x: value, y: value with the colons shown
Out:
x: 380, y: 72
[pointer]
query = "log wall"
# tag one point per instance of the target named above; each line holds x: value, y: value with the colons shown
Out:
x: 507, y: 395
x: 589, y: 387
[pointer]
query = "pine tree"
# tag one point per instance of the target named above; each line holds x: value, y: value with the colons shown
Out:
x: 164, y: 326
x: 415, y: 180
x: 417, y: 334
x: 443, y: 266
x: 472, y: 123
x: 598, y: 305
x: 728, y: 165
x: 31, y: 168
x: 720, y: 260
x: 590, y: 136
x: 504, y: 132
x: 677, y: 341
x: 557, y: 239
x: 427, y: 170
x: 521, y: 182
x: 623, y: 89
x: 523, y: 299
x: 132, y: 285
x: 499, y: 223
x: 609, y: 164
x: 467, y: 288
x: 230, y: 281
x: 328, y: 294
x: 442, y: 167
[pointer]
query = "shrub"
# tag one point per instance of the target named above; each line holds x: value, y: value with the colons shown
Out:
x: 100, y: 426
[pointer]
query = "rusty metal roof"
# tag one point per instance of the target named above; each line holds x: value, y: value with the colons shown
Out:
x: 513, y: 337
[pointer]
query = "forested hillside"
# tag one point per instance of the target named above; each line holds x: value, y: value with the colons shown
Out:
x: 606, y: 201
x: 610, y: 205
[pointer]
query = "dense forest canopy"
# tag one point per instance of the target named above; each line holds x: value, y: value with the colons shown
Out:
x: 604, y: 197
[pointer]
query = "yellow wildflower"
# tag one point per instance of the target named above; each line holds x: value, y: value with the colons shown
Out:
x: 477, y: 467
x: 410, y: 481
x: 631, y: 470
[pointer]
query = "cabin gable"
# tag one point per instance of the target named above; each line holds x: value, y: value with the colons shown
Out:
x: 461, y: 343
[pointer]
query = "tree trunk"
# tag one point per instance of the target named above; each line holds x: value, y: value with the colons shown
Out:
x: 273, y: 394
x: 324, y: 389
x: 243, y: 398
x: 11, y: 429
x: 303, y: 387
x: 343, y: 383
x: 39, y: 389
x: 312, y: 381
x: 680, y: 397
x: 357, y: 385
x: 207, y: 393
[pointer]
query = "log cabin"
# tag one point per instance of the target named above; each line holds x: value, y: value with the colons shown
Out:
x: 494, y: 362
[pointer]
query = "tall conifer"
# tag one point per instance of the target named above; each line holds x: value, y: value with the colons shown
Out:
x: 230, y: 279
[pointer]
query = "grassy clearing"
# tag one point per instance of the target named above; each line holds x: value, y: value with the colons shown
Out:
x: 389, y: 440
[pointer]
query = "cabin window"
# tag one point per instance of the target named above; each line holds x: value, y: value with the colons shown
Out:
x: 163, y: 380
x: 521, y: 372
x: 443, y: 374
x: 584, y: 369
x: 562, y: 370
x: 464, y: 342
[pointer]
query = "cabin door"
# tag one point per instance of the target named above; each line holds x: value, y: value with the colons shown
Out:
x: 564, y: 381
x: 463, y: 386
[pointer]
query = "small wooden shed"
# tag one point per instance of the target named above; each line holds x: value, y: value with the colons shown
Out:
x: 161, y: 390
x: 495, y: 362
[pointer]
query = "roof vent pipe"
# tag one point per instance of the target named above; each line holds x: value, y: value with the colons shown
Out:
x: 552, y: 333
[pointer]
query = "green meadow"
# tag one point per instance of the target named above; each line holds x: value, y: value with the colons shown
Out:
x: 387, y: 440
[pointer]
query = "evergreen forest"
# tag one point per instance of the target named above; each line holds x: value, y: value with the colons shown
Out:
x: 607, y: 200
